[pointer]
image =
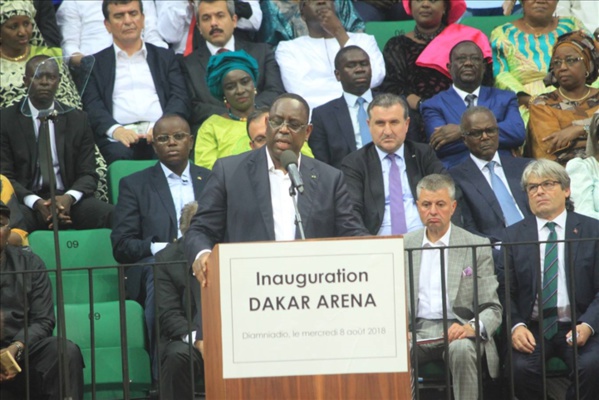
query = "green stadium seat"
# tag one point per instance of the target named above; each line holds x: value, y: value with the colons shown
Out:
x: 79, y: 248
x: 120, y: 169
x: 107, y: 344
x: 487, y: 24
x: 385, y: 30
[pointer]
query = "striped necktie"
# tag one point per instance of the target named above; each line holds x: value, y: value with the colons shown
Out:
x: 550, y: 284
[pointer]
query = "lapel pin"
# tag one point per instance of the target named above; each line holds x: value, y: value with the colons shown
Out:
x: 199, y: 178
x: 313, y: 176
x: 576, y: 231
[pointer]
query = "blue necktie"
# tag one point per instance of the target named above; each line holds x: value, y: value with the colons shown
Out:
x: 363, y: 122
x: 506, y: 201
x: 550, y: 268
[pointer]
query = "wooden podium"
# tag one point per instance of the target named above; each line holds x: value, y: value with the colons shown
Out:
x: 394, y: 385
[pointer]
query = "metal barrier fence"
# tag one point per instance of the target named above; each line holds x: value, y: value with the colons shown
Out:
x: 134, y: 387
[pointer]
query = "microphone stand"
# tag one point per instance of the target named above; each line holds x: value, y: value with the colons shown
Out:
x: 298, y: 217
x: 62, y: 357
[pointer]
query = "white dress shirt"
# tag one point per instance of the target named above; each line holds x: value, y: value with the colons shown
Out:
x: 463, y: 94
x: 353, y: 112
x: 484, y: 169
x: 134, y: 98
x: 230, y: 45
x: 307, y: 66
x: 81, y: 23
x: 181, y: 188
x: 30, y: 200
x: 283, y: 211
x: 413, y: 220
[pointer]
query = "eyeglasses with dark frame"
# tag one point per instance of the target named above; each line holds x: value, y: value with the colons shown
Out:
x: 179, y: 136
x: 278, y: 123
x: 546, y: 185
x: 570, y: 61
x: 478, y: 133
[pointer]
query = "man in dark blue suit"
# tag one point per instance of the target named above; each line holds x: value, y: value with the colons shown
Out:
x: 131, y: 86
x: 550, y: 268
x: 336, y: 125
x: 146, y: 216
x: 492, y: 199
x: 247, y: 196
x: 442, y: 112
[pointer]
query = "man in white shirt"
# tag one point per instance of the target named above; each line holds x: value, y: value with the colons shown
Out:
x: 436, y: 204
x: 133, y: 83
x: 565, y: 305
x: 307, y: 62
x: 490, y: 181
x: 585, y: 10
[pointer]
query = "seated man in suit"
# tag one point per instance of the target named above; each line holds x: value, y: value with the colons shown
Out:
x: 442, y: 112
x: 382, y: 189
x: 548, y: 187
x: 132, y: 84
x: 306, y: 62
x: 149, y: 207
x: 436, y: 204
x: 26, y: 327
x: 24, y: 156
x: 217, y: 21
x: 180, y: 320
x: 490, y: 181
x: 256, y: 127
x: 247, y: 196
x: 341, y: 125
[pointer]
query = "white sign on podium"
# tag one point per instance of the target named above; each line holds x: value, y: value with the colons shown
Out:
x: 312, y: 313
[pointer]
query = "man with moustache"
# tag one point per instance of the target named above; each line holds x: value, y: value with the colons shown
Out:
x: 216, y: 22
x: 341, y: 125
x: 547, y: 185
x: 247, y: 196
x: 442, y: 112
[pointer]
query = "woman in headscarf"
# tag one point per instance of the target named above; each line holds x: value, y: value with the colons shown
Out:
x: 416, y: 62
x: 522, y: 49
x: 18, y: 44
x: 560, y: 120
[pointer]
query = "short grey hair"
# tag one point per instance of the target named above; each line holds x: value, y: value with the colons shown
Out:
x: 187, y: 213
x: 230, y: 5
x: 471, y: 111
x: 436, y: 182
x: 387, y: 100
x: 544, y: 168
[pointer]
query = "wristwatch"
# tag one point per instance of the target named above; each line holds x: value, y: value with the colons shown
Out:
x: 473, y: 326
x: 20, y: 349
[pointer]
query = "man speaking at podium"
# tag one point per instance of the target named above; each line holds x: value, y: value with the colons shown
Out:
x: 247, y: 196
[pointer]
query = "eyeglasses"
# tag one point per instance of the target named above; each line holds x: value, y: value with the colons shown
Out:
x: 179, y: 136
x: 570, y: 61
x: 547, y: 186
x: 473, y: 59
x: 278, y: 123
x: 478, y: 133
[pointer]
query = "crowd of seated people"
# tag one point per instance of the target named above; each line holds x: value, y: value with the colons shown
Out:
x: 189, y: 83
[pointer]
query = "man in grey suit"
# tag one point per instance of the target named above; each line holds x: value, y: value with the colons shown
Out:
x: 247, y: 196
x: 436, y: 204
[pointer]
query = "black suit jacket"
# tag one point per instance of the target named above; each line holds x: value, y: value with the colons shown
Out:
x: 204, y: 105
x: 177, y: 294
x: 74, y: 145
x: 523, y: 262
x: 167, y: 77
x: 145, y: 212
x: 364, y: 175
x: 481, y: 209
x: 333, y: 135
x: 236, y: 204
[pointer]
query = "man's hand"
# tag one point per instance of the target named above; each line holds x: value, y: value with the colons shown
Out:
x: 6, y: 375
x: 150, y: 135
x: 508, y: 6
x: 583, y: 333
x: 457, y: 331
x: 413, y: 101
x: 524, y: 100
x: 75, y: 59
x: 126, y: 136
x: 43, y: 207
x: 445, y: 134
x: 523, y: 340
x: 200, y: 269
x: 331, y: 24
x: 199, y: 345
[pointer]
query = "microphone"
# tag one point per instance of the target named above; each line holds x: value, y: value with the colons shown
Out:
x: 289, y: 161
